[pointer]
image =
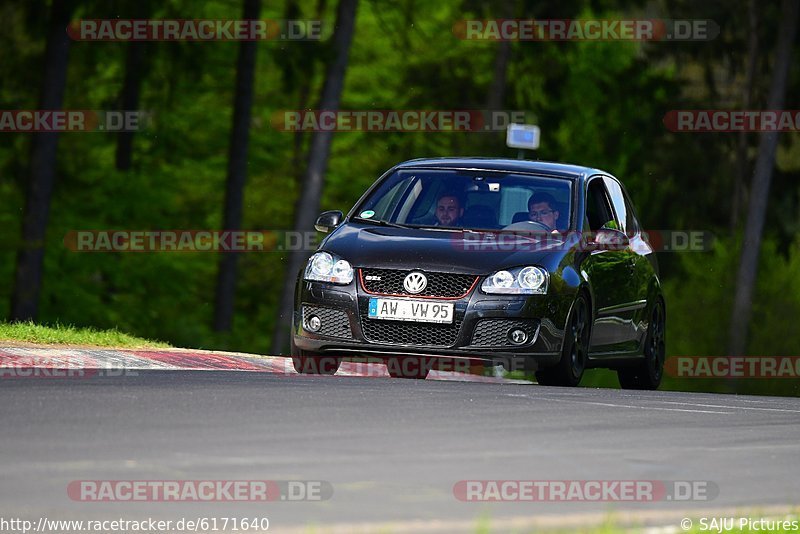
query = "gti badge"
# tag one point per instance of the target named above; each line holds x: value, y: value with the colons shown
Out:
x: 415, y: 283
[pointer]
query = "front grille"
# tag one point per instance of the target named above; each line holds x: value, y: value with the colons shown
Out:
x: 442, y: 285
x: 408, y: 333
x: 494, y: 332
x: 334, y: 323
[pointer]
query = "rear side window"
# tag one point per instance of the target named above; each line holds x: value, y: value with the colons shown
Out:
x: 622, y: 206
x: 633, y: 222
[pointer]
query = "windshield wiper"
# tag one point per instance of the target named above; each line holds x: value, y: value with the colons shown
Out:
x: 380, y: 222
x: 449, y: 229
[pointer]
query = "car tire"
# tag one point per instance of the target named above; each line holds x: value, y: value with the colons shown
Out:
x: 309, y: 363
x: 575, y: 350
x: 399, y: 368
x: 648, y: 374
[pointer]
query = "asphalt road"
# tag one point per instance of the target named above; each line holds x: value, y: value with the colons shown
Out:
x: 392, y: 450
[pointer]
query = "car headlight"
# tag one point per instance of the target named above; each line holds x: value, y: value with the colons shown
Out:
x: 325, y: 267
x: 529, y: 280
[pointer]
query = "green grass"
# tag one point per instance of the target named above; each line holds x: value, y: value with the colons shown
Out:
x: 611, y: 525
x: 60, y: 334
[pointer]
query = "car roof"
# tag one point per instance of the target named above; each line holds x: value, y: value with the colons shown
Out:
x: 562, y: 170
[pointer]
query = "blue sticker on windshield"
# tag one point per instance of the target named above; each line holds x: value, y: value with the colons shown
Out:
x: 367, y: 214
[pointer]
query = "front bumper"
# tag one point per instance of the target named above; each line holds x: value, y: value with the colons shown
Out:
x: 477, y: 333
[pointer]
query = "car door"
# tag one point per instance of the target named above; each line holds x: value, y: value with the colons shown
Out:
x: 640, y: 266
x: 609, y: 273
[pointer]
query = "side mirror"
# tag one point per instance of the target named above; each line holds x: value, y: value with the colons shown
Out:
x: 611, y: 239
x: 328, y: 220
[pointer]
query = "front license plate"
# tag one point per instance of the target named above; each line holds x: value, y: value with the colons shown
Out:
x: 411, y: 310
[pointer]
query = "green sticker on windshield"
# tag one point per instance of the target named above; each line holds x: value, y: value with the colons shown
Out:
x: 367, y: 214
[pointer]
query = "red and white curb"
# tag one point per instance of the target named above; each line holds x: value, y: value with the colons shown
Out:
x: 18, y: 362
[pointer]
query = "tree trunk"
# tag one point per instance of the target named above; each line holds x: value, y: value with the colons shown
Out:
x: 237, y: 172
x: 30, y: 257
x: 759, y: 196
x: 308, y: 203
x: 130, y: 101
x: 747, y: 99
x: 308, y: 66
x: 497, y: 90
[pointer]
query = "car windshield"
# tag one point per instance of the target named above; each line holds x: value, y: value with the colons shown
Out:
x: 476, y: 200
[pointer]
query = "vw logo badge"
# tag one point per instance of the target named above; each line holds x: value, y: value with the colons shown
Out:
x: 415, y: 283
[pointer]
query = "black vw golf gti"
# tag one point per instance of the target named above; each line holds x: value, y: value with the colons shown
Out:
x: 444, y: 263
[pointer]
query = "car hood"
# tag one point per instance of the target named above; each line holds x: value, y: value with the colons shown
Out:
x: 383, y: 247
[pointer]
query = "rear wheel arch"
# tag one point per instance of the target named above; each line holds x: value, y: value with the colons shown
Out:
x: 649, y: 372
x: 655, y: 291
x: 657, y: 300
x: 589, y: 296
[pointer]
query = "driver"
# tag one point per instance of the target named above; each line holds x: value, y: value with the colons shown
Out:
x: 542, y: 209
x: 449, y: 210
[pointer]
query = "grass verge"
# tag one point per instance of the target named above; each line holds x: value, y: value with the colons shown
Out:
x: 60, y: 334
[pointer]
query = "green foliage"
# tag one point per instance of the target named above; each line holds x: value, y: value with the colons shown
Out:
x: 703, y: 283
x: 777, y: 305
x: 699, y: 301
